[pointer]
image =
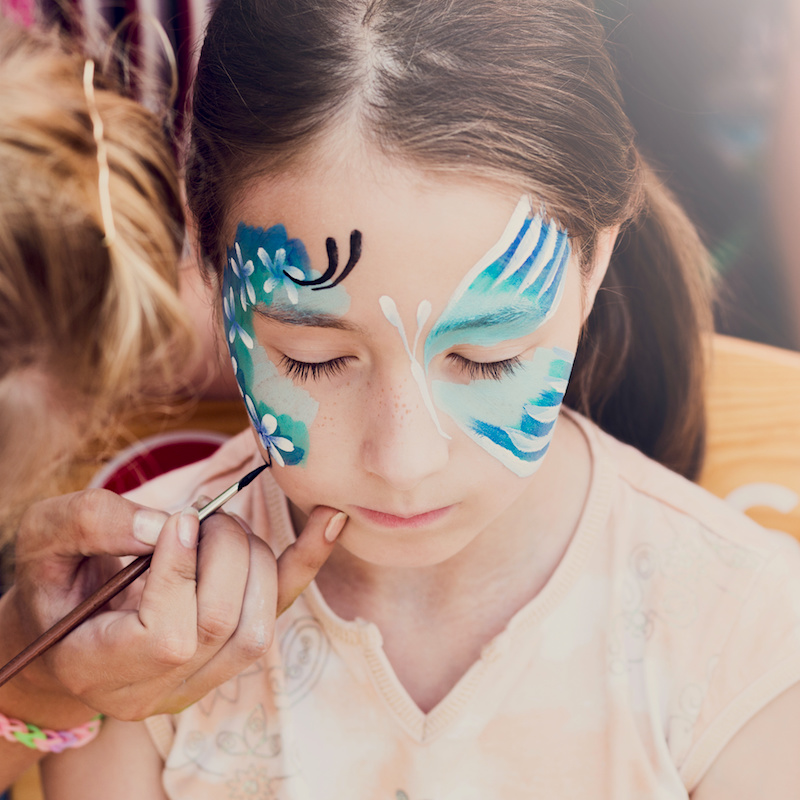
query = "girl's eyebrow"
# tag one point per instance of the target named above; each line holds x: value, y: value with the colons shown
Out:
x: 311, y: 319
x: 496, y: 319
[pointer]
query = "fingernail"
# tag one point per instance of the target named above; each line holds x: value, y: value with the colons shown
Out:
x: 201, y: 501
x: 147, y: 524
x: 188, y: 526
x: 335, y: 525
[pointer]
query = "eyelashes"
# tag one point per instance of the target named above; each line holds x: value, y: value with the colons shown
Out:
x: 475, y: 370
x: 486, y: 370
x: 303, y: 370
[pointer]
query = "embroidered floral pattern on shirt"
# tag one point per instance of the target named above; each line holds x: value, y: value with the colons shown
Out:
x: 254, y: 739
x: 251, y: 784
x: 304, y: 653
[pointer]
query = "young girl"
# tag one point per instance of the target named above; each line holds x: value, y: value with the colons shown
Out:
x: 409, y: 208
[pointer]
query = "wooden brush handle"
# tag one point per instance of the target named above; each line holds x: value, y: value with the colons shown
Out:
x: 111, y: 588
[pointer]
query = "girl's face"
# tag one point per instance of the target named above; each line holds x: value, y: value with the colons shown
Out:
x: 403, y: 343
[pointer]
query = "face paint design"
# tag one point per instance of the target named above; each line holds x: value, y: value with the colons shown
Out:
x: 513, y: 290
x: 512, y: 418
x: 389, y: 308
x: 265, y: 268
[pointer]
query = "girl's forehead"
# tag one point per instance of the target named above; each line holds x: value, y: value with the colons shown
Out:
x: 411, y: 226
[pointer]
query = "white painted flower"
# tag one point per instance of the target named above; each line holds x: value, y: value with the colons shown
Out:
x: 234, y: 328
x: 243, y: 270
x: 265, y: 428
x: 280, y: 273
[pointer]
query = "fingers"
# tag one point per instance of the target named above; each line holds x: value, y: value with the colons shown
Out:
x: 247, y: 614
x: 87, y: 523
x: 253, y: 634
x: 187, y: 610
x: 254, y: 590
x: 223, y: 566
x: 206, y: 612
x: 171, y: 586
x: 299, y: 563
x: 239, y: 587
x: 201, y: 501
x: 56, y: 538
x: 140, y: 644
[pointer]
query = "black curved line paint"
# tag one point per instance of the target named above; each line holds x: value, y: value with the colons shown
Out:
x: 333, y: 263
x: 355, y: 254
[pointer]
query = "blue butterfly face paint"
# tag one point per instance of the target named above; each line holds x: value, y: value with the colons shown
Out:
x: 511, y: 292
x: 265, y: 268
x: 512, y: 418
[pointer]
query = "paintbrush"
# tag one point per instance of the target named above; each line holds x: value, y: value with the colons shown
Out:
x: 109, y: 589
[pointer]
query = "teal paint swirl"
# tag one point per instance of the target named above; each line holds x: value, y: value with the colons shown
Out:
x: 258, y: 274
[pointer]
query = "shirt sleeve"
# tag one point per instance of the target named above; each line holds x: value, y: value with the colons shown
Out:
x: 759, y: 660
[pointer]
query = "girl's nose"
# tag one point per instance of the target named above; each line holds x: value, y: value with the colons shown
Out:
x: 403, y: 443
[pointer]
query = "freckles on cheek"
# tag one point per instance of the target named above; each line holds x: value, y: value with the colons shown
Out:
x: 513, y: 419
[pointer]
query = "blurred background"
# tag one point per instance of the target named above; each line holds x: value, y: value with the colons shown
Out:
x: 712, y: 87
x: 159, y: 38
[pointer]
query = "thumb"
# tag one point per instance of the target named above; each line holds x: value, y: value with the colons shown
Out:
x: 299, y: 563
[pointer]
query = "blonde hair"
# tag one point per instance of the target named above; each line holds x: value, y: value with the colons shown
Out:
x: 88, y: 323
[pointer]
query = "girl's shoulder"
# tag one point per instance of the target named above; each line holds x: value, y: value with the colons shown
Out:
x: 180, y: 487
x: 640, y: 489
x: 699, y: 589
x: 690, y: 563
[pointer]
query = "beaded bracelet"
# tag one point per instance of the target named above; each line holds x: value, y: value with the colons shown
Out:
x: 46, y: 740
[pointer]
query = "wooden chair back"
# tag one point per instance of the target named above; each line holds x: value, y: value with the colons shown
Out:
x: 753, y: 455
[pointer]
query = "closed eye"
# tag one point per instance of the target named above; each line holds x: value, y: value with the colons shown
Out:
x: 303, y: 370
x: 485, y: 370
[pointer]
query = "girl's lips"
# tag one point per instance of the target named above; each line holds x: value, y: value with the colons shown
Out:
x: 395, y: 521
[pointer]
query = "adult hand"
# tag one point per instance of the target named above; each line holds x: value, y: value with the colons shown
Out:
x: 204, y: 613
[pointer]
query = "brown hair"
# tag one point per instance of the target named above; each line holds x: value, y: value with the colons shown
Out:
x: 86, y: 322
x: 517, y: 90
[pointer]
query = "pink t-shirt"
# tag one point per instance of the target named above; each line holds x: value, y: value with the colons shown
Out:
x: 671, y: 620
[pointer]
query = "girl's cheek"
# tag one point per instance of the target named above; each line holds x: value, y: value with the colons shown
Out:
x: 264, y: 267
x: 513, y: 418
x: 279, y: 411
